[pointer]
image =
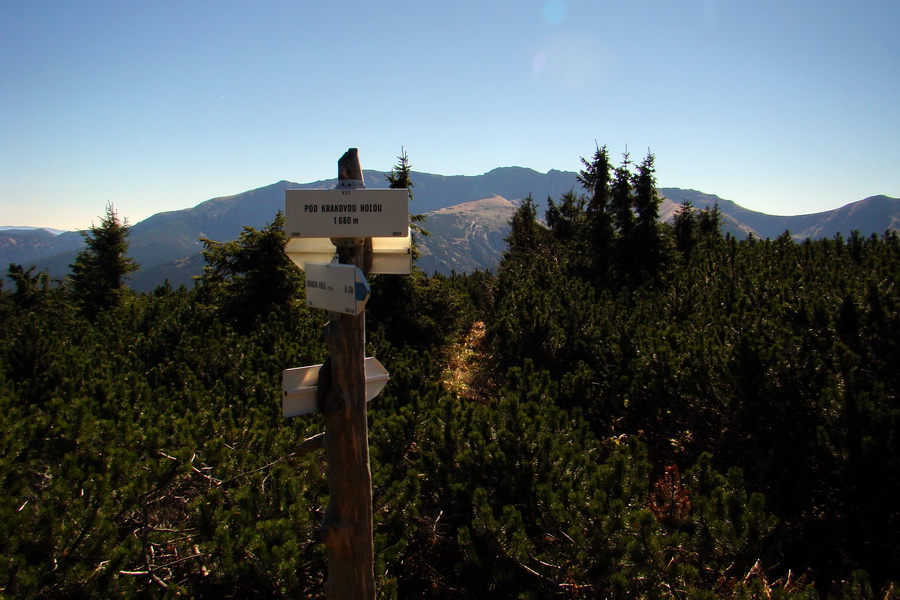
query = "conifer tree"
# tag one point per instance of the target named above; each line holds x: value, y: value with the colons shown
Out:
x: 710, y: 221
x: 30, y: 288
x: 622, y: 210
x: 527, y: 237
x: 99, y: 271
x: 400, y: 176
x: 250, y: 277
x: 411, y: 310
x: 647, y: 230
x: 685, y: 226
x: 567, y: 224
x: 398, y: 179
x: 596, y: 180
x: 622, y: 199
x: 566, y: 220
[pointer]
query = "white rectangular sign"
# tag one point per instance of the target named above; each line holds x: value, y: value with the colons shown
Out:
x: 389, y: 255
x: 352, y: 213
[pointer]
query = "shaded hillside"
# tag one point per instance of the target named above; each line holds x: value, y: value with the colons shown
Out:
x: 168, y: 245
x: 471, y: 236
x: 22, y: 246
x: 433, y: 192
x: 875, y: 214
x: 668, y: 208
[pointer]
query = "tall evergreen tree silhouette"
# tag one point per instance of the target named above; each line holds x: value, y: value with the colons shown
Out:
x: 250, y: 277
x: 400, y: 178
x: 622, y: 210
x: 647, y: 241
x: 596, y: 180
x: 99, y: 271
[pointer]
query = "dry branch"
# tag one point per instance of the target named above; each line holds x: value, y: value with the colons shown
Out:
x: 316, y: 442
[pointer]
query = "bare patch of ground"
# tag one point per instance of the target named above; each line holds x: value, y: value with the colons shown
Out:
x: 470, y: 368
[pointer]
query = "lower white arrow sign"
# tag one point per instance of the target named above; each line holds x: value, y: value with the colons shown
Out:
x: 300, y: 385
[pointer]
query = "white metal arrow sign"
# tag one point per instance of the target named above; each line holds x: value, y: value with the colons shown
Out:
x: 336, y: 287
x: 300, y: 384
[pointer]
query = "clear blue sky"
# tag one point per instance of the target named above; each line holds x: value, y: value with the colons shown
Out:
x: 784, y: 106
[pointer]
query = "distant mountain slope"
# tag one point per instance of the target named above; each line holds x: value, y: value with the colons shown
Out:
x: 875, y: 214
x: 166, y: 245
x: 24, y: 246
x: 467, y: 216
x: 433, y: 192
x: 470, y: 236
x: 730, y: 224
x: 47, y: 229
x: 466, y: 237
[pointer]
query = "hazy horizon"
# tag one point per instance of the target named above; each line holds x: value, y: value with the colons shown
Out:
x: 130, y: 221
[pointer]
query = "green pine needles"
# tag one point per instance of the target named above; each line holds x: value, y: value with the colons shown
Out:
x: 625, y: 409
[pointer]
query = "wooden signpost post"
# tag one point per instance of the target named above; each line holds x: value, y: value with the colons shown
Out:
x: 351, y: 217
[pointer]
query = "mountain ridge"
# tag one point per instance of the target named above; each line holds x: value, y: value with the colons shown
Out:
x: 467, y: 217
